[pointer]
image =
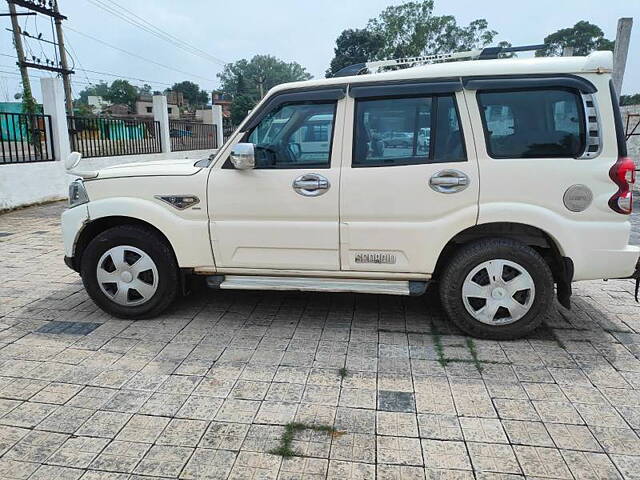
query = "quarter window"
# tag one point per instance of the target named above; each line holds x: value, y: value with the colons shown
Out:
x: 295, y: 136
x: 538, y: 123
x: 407, y: 131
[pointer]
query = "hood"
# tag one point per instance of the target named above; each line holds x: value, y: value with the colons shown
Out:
x: 181, y: 167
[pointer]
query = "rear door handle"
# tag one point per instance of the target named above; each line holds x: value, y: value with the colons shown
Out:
x: 449, y: 181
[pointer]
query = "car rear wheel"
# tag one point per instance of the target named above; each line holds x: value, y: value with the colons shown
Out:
x: 497, y: 288
x: 130, y: 272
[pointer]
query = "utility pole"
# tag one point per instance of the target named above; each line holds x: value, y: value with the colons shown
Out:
x: 66, y: 80
x: 620, y: 51
x: 17, y: 40
x: 50, y: 9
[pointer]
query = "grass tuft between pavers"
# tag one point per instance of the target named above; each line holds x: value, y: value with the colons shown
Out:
x: 290, y: 429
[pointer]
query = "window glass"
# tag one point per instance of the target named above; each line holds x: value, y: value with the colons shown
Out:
x: 449, y: 146
x: 533, y: 123
x: 295, y: 136
x: 399, y: 131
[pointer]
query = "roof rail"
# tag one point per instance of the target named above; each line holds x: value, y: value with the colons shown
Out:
x: 479, y: 54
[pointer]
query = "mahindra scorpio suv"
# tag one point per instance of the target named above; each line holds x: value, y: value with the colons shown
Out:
x: 511, y: 182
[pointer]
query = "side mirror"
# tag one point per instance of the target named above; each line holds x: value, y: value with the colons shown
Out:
x: 72, y: 160
x: 243, y: 156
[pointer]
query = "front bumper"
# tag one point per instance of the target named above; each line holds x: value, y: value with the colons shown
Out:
x: 73, y: 221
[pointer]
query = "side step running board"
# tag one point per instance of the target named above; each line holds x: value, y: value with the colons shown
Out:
x: 314, y: 284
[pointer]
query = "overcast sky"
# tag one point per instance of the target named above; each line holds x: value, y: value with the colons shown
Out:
x: 293, y: 30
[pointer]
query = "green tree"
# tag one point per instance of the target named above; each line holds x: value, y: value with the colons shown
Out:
x: 121, y: 91
x: 408, y: 30
x: 247, y: 81
x: 192, y: 93
x: 100, y: 90
x: 412, y: 29
x: 630, y: 99
x: 354, y: 46
x: 583, y: 37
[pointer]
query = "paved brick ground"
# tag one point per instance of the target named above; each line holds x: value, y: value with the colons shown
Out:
x: 206, y: 390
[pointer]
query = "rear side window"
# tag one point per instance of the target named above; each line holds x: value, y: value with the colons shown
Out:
x: 407, y: 131
x: 536, y: 123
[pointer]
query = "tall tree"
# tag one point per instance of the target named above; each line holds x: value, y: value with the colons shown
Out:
x: 121, y: 91
x: 248, y: 80
x: 354, y: 46
x: 101, y: 90
x: 192, y: 93
x: 583, y: 37
x: 407, y: 30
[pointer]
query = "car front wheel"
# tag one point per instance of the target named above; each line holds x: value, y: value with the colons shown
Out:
x: 130, y: 272
x: 497, y: 288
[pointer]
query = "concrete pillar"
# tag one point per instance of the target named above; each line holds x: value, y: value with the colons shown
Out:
x: 53, y: 104
x: 620, y: 51
x: 161, y: 115
x: 216, y: 110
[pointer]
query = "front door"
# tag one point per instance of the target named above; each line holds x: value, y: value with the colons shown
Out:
x: 410, y: 179
x: 282, y: 215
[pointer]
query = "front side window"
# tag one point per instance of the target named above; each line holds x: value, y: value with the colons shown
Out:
x: 295, y: 136
x: 407, y: 131
x: 539, y: 123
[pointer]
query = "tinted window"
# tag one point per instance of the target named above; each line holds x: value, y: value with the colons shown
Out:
x: 406, y: 131
x: 533, y: 123
x: 295, y: 136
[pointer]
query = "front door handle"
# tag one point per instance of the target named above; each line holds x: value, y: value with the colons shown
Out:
x: 311, y: 185
x: 449, y: 181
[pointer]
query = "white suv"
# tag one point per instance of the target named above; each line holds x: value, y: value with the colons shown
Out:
x: 523, y: 182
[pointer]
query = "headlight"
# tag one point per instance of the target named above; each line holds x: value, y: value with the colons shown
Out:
x: 77, y: 194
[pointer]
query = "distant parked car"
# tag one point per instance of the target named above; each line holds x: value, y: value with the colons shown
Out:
x: 398, y: 139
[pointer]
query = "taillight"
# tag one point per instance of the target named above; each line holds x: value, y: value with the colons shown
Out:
x: 623, y: 173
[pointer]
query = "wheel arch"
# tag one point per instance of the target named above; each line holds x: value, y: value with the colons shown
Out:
x: 99, y: 225
x: 540, y: 240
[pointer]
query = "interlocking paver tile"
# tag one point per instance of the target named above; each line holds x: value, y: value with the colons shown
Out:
x: 439, y: 427
x: 621, y: 441
x: 343, y: 470
x: 484, y: 430
x: 182, y: 433
x: 36, y: 446
x: 358, y: 447
x: 143, y: 428
x: 28, y: 414
x: 209, y: 464
x: 441, y: 454
x: 493, y: 457
x: 300, y: 468
x: 399, y: 450
x: 104, y: 424
x: 224, y: 435
x: 396, y: 424
x: 255, y: 465
x: 541, y: 462
x: 585, y: 465
x: 162, y: 460
x: 78, y: 452
x: 573, y: 437
x: 355, y: 420
x: 120, y: 456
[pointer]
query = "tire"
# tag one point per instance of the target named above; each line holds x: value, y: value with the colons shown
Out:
x: 469, y: 295
x: 136, y: 291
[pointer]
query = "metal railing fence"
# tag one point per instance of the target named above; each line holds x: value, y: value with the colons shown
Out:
x: 25, y: 138
x: 108, y: 137
x: 192, y: 135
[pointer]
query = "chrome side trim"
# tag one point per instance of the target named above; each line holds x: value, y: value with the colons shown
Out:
x: 389, y: 287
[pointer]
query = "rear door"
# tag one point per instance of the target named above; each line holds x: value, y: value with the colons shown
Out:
x: 400, y: 204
